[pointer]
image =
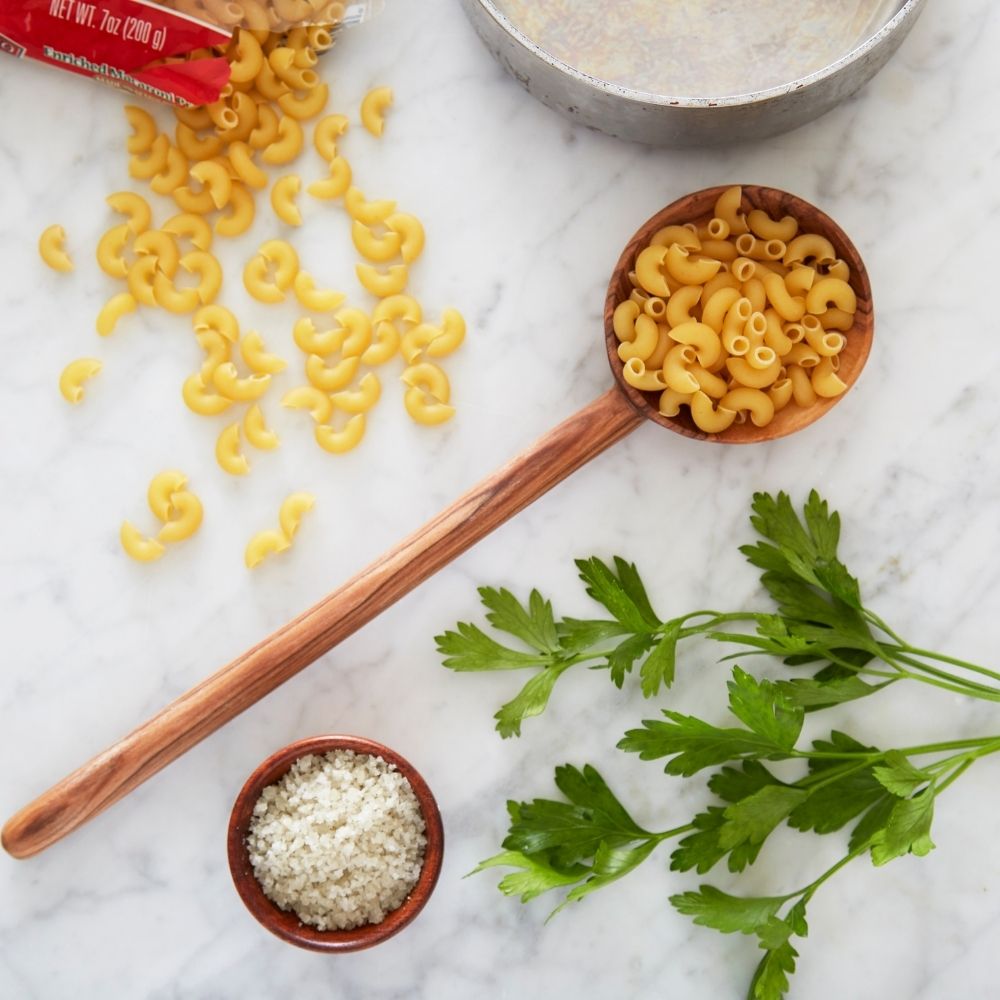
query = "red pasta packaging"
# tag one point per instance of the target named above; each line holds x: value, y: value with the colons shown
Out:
x: 171, y: 52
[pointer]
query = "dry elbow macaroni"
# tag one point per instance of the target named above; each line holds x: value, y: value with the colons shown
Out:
x: 734, y: 318
x: 210, y: 165
x: 271, y: 541
x: 179, y: 510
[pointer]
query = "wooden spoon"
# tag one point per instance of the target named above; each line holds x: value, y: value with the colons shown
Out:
x: 196, y: 714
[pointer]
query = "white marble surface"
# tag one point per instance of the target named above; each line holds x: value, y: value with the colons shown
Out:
x: 525, y: 218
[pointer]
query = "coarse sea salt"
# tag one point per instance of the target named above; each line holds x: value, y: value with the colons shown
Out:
x: 339, y: 840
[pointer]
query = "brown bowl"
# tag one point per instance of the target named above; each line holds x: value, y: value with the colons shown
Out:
x: 285, y: 924
x: 698, y: 208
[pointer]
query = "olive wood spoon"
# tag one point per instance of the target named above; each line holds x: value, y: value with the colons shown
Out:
x: 115, y: 772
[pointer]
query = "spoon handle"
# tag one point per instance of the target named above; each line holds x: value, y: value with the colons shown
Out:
x: 115, y: 772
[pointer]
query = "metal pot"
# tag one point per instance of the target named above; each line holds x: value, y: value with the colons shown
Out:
x: 684, y: 121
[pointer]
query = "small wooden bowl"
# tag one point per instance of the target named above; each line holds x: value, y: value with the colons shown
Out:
x: 285, y: 924
x: 698, y: 208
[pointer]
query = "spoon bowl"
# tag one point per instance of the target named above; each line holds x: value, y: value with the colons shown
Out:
x: 698, y: 208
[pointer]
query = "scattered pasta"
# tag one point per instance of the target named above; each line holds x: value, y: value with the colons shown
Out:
x: 373, y: 109
x: 52, y: 251
x: 179, y: 510
x: 273, y: 541
x: 74, y: 375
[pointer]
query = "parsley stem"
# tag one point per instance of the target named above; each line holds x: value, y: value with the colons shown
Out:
x: 675, y: 832
x: 943, y: 658
x: 809, y: 891
x: 928, y: 675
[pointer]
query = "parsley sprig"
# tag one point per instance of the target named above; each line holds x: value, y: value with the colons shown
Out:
x: 883, y: 799
x: 820, y: 623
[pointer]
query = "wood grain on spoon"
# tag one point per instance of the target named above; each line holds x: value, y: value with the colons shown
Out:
x: 112, y: 774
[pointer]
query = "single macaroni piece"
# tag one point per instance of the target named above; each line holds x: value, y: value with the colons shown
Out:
x: 669, y: 235
x: 317, y: 299
x: 286, y: 261
x: 368, y: 212
x: 287, y: 145
x: 141, y: 277
x: 385, y: 344
x: 256, y: 282
x: 451, y: 336
x: 145, y: 166
x: 757, y: 403
x: 377, y: 248
x: 174, y: 299
x: 200, y: 400
x: 207, y: 270
x: 331, y: 378
x: 328, y: 130
x: 256, y: 356
x: 241, y: 157
x: 638, y: 376
x: 216, y: 180
x: 111, y: 251
x: 117, y: 306
x: 728, y: 208
x: 310, y: 341
x: 336, y: 185
x: 256, y: 430
x: 160, y: 493
x: 709, y: 417
x: 430, y: 378
x: 648, y: 270
x: 240, y: 390
x: 647, y: 335
x: 309, y: 105
x: 810, y: 246
x: 173, y: 174
x: 762, y: 225
x: 228, y: 452
x: 50, y: 248
x: 191, y: 227
x: 623, y: 320
x: 382, y: 284
x: 317, y: 403
x: 185, y: 520
x: 144, y: 129
x: 139, y: 547
x: 373, y: 109
x: 74, y: 375
x: 416, y: 340
x: 831, y: 291
x: 703, y: 338
x: 675, y: 369
x: 397, y: 308
x: 338, y: 442
x: 411, y: 232
x: 134, y: 207
x: 264, y: 544
x: 825, y: 381
x: 283, y: 196
x: 358, y: 328
x: 292, y: 509
x: 220, y: 320
x: 241, y: 213
x: 161, y: 245
x: 362, y: 399
x: 424, y: 409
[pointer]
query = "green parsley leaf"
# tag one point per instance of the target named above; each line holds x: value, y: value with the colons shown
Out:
x: 471, y: 649
x: 873, y: 820
x: 812, y: 694
x: 576, y: 634
x: 530, y: 701
x: 533, y: 625
x: 907, y: 831
x: 732, y: 784
x: 701, y: 850
x: 711, y: 907
x: 754, y: 818
x: 623, y: 595
x: 694, y: 744
x: 762, y: 707
x: 770, y: 980
x: 899, y: 776
x: 658, y: 668
x: 624, y: 655
x: 571, y: 831
x: 536, y: 877
x: 610, y: 864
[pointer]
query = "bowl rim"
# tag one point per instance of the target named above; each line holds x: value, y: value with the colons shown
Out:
x: 285, y: 924
x: 909, y: 8
x: 756, y: 195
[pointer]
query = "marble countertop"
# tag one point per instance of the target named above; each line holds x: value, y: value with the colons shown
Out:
x: 525, y: 217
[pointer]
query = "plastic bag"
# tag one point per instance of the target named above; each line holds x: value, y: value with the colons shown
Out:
x: 172, y: 51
